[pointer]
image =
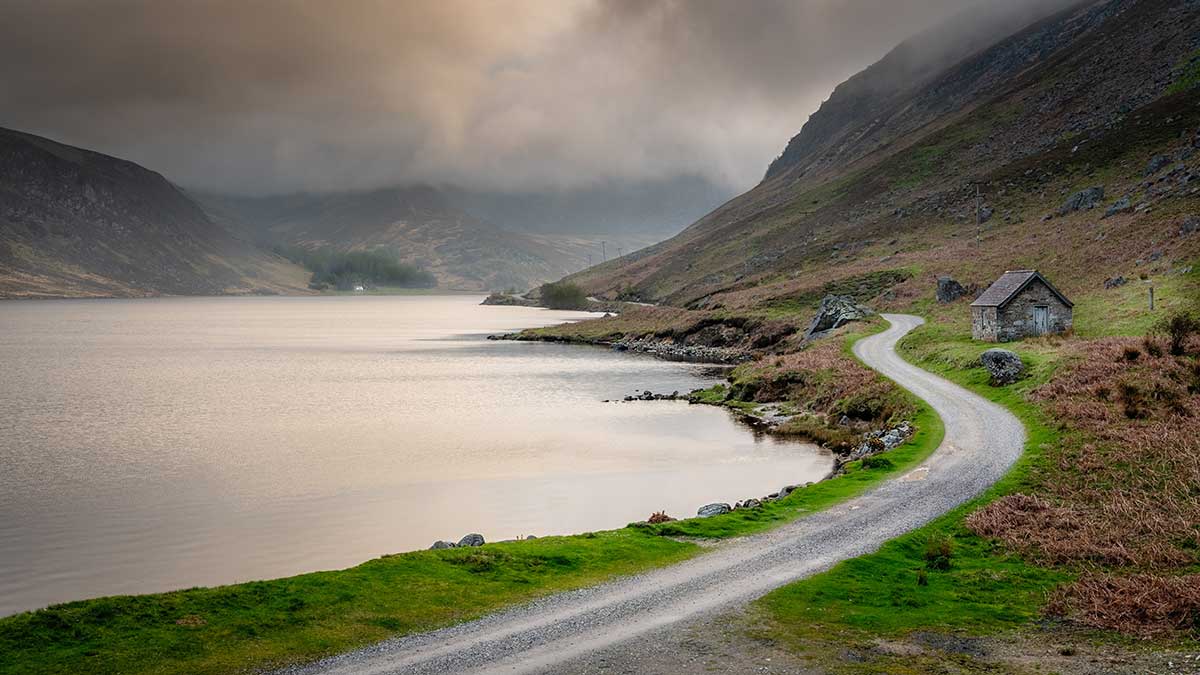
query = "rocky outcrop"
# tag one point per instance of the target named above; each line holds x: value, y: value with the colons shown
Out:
x: 1084, y: 199
x: 1157, y: 163
x: 875, y: 442
x: 1004, y: 366
x: 949, y: 290
x: 1191, y: 225
x: 471, y: 540
x: 648, y: 395
x: 506, y: 300
x: 1115, y: 282
x: 836, y: 311
x: 709, y: 510
x: 1122, y: 205
x: 674, y: 351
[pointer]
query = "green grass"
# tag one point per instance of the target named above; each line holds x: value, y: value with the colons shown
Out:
x: 270, y: 623
x: 1125, y: 310
x: 822, y: 495
x: 1189, y: 78
x: 856, y: 479
x: 984, y: 589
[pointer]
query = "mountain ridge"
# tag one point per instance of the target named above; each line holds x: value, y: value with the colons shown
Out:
x: 75, y: 222
x: 1059, y: 100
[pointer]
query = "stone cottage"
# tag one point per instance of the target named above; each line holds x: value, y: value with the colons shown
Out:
x: 1020, y: 304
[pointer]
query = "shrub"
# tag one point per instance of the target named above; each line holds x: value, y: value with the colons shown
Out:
x: 877, y: 462
x: 1152, y: 347
x: 1133, y: 401
x: 563, y: 295
x: 659, y: 517
x: 922, y: 578
x: 1178, y: 328
x: 938, y: 551
x: 1131, y: 354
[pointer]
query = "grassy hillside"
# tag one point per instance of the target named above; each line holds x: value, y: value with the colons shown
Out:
x: 968, y: 174
x: 1100, y: 92
x: 415, y: 225
x: 78, y: 223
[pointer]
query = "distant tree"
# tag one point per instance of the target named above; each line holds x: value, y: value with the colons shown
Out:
x: 563, y: 295
x: 344, y: 270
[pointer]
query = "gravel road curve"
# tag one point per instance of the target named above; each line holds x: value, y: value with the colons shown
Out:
x: 982, y: 441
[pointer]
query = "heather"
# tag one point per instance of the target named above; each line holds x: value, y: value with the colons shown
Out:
x: 1118, y: 497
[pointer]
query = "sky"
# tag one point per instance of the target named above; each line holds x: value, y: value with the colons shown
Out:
x: 521, y: 95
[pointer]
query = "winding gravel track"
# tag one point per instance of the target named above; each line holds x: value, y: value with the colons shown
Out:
x: 982, y: 441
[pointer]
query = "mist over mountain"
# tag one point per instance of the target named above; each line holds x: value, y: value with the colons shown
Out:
x: 966, y: 168
x: 653, y: 209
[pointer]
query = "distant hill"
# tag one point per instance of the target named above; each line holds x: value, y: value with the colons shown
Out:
x: 453, y: 232
x: 79, y: 223
x: 417, y: 224
x: 885, y: 176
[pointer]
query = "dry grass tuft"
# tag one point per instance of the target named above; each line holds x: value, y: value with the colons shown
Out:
x: 1140, y: 604
x: 1120, y: 496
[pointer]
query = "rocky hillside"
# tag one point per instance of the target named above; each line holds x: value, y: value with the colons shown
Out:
x: 421, y: 225
x: 78, y: 223
x: 885, y: 176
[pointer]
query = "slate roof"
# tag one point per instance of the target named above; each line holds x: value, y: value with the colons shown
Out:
x: 1010, y: 284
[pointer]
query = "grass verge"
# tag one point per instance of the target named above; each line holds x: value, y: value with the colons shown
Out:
x: 855, y: 480
x: 265, y: 624
x: 274, y: 623
x: 903, y: 587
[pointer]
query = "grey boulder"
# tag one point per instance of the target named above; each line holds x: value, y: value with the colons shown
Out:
x: 1156, y: 164
x: 1004, y: 366
x: 471, y: 540
x: 439, y: 545
x: 713, y: 510
x: 949, y: 290
x: 1122, y: 205
x: 835, y: 311
x: 1084, y: 199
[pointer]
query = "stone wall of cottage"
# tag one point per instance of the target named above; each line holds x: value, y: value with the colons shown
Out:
x: 983, y: 323
x: 1015, y: 320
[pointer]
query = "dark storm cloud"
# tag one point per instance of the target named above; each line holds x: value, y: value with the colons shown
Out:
x: 274, y: 95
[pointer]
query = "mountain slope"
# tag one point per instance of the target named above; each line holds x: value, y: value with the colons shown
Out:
x: 1083, y: 98
x: 419, y: 224
x: 78, y: 223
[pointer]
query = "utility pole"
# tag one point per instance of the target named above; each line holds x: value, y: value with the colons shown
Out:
x: 604, y: 250
x: 1151, y: 296
x: 589, y: 260
x: 978, y: 214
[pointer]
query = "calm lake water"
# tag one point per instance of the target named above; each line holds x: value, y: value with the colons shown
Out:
x: 147, y: 445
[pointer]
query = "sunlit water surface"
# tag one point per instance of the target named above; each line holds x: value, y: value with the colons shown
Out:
x: 147, y: 445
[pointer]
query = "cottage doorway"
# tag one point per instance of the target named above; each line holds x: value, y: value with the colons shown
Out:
x: 1041, y: 320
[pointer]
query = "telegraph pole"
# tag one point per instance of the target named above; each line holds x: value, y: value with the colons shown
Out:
x: 604, y: 250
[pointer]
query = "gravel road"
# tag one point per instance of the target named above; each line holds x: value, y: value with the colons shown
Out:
x: 559, y: 632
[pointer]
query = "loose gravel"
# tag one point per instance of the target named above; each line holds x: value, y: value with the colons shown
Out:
x: 982, y: 441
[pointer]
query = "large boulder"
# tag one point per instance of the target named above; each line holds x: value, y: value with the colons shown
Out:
x: 713, y: 510
x: 1004, y: 366
x: 949, y: 290
x: 1191, y: 225
x: 439, y: 545
x: 1084, y: 199
x: 471, y: 540
x: 836, y: 311
x: 1122, y: 205
x: 1156, y: 164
